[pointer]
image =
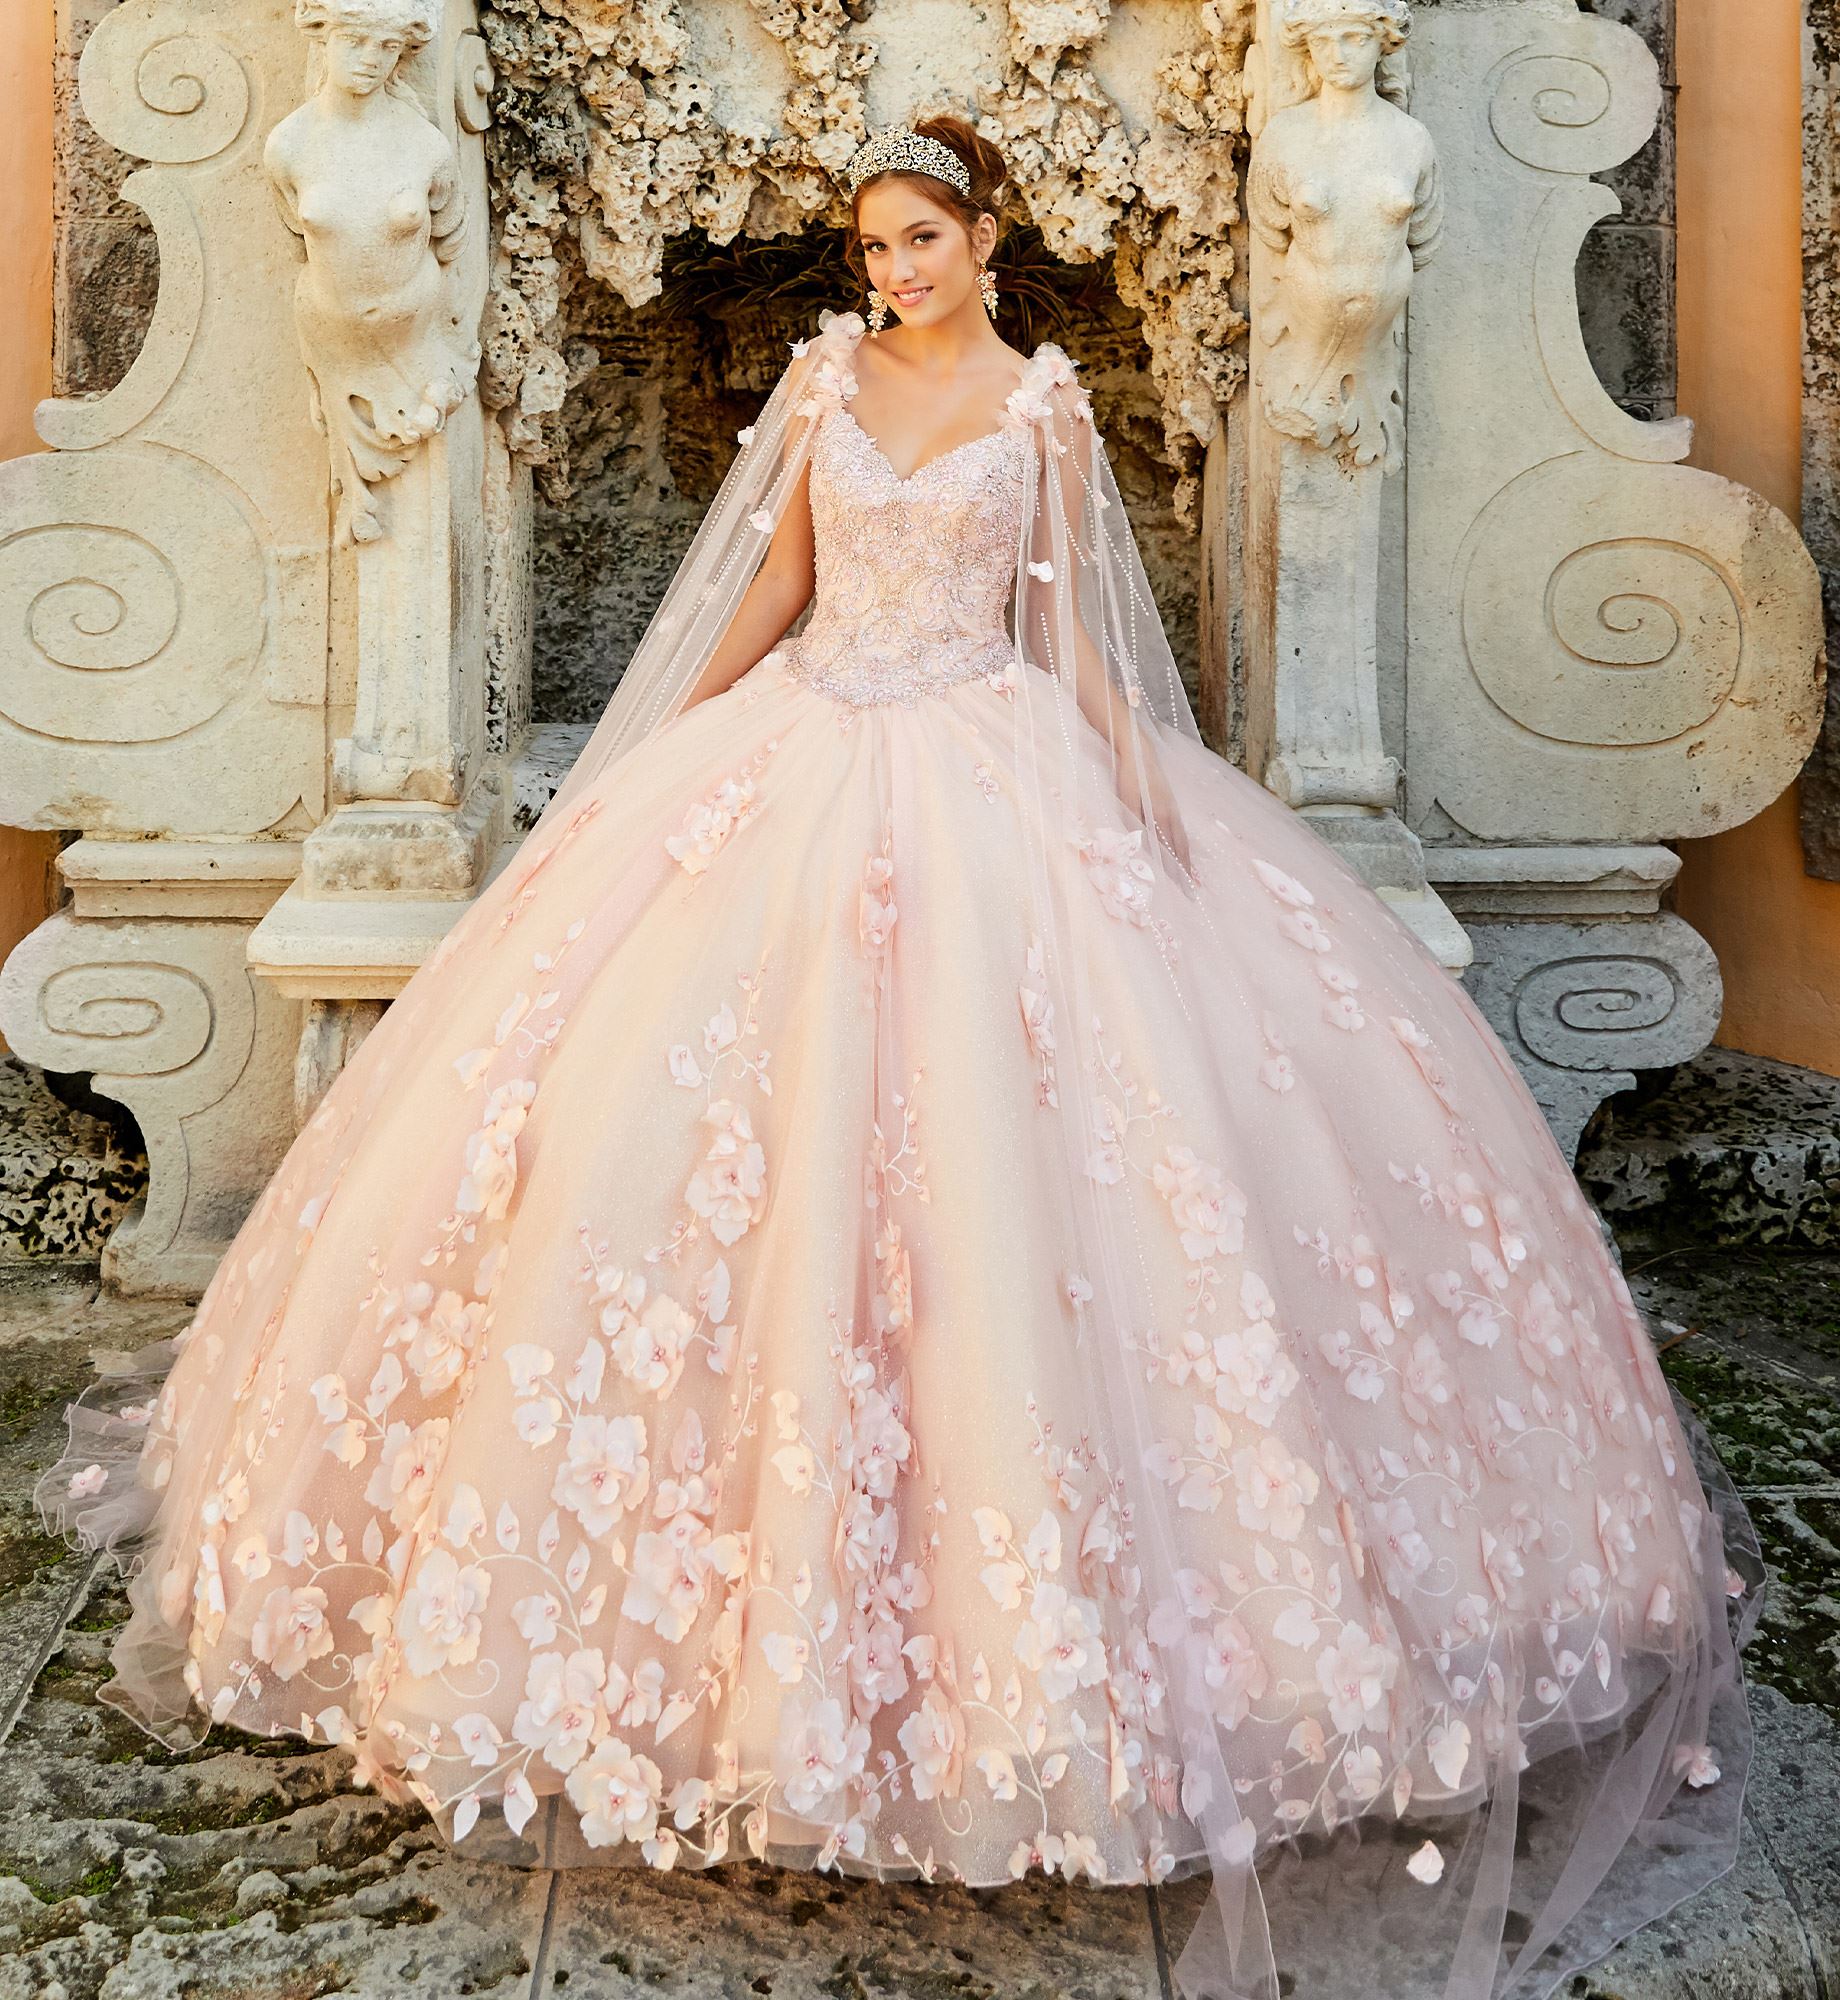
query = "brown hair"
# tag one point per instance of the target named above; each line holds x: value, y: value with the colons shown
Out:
x: 990, y: 184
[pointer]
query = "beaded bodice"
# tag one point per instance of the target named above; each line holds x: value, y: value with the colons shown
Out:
x: 913, y: 576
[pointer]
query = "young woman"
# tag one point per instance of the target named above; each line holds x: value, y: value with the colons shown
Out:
x: 927, y: 1284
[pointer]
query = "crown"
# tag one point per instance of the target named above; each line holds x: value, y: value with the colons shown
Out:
x: 895, y: 149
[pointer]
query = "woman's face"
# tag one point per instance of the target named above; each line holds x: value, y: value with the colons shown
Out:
x: 1345, y: 53
x: 360, y: 59
x: 918, y: 254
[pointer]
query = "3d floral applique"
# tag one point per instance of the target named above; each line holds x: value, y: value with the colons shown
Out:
x: 1038, y: 1023
x: 726, y: 1193
x: 708, y: 826
x: 1118, y: 870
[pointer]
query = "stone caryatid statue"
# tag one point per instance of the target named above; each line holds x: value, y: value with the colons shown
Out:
x: 1343, y: 191
x: 373, y: 189
x: 1342, y: 199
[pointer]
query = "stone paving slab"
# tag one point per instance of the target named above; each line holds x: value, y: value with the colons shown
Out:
x: 250, y: 1870
x: 1752, y: 1339
x: 632, y: 1934
x: 52, y: 1320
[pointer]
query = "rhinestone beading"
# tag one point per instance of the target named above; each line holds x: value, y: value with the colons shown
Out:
x: 913, y: 575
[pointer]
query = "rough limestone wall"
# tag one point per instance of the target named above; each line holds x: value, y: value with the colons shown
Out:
x: 108, y: 271
x: 1626, y: 269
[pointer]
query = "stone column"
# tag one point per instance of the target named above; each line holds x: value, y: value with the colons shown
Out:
x: 1344, y: 205
x: 388, y: 324
x: 380, y: 173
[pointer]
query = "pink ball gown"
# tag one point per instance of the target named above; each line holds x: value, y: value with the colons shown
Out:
x: 666, y: 1406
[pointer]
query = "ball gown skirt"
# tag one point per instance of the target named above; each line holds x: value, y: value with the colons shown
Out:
x: 650, y: 1414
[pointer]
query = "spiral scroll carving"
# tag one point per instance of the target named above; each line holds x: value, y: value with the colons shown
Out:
x: 131, y: 597
x: 1631, y: 639
x: 175, y: 97
x: 1585, y: 1013
x: 1577, y: 109
x: 127, y: 1019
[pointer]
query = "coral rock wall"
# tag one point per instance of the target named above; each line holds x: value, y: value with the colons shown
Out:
x: 622, y: 126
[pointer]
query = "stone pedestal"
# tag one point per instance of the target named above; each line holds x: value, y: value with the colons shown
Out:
x: 142, y: 982
x: 1314, y: 731
x: 1579, y: 970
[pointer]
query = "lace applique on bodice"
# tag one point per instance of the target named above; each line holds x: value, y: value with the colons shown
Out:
x: 914, y: 576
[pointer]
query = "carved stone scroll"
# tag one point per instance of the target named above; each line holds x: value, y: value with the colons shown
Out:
x: 142, y: 982
x: 1603, y: 645
x: 1584, y: 976
x: 163, y: 578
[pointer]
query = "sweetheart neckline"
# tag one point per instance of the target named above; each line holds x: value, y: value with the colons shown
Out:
x: 939, y: 458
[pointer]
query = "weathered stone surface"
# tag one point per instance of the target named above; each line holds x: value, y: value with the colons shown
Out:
x: 1735, y: 1147
x: 109, y: 279
x: 51, y: 1322
x: 1626, y: 306
x: 106, y: 262
x: 750, y: 1929
x: 1752, y: 1338
x: 1820, y: 786
x: 66, y: 1177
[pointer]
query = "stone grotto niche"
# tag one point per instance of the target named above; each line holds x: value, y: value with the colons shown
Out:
x: 667, y: 182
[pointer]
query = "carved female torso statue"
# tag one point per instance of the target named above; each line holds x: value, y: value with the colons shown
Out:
x: 1343, y: 188
x: 372, y: 188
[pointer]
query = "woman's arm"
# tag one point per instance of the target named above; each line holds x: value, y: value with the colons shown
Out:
x: 781, y: 589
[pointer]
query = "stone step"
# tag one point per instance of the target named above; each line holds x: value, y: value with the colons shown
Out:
x: 67, y: 1176
x: 1730, y: 1148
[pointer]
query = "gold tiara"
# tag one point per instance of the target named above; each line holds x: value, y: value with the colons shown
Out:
x: 896, y: 149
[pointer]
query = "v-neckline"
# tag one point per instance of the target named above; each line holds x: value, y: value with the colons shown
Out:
x: 938, y: 458
x: 926, y: 465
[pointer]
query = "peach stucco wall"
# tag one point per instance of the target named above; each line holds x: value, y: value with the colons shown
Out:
x: 25, y: 352
x: 1776, y: 929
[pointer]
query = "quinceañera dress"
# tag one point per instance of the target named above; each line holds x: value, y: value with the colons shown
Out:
x: 927, y: 1284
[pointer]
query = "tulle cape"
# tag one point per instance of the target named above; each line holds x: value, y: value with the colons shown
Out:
x: 1518, y: 1828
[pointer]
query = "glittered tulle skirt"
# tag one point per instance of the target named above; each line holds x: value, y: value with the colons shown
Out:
x: 656, y: 1412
